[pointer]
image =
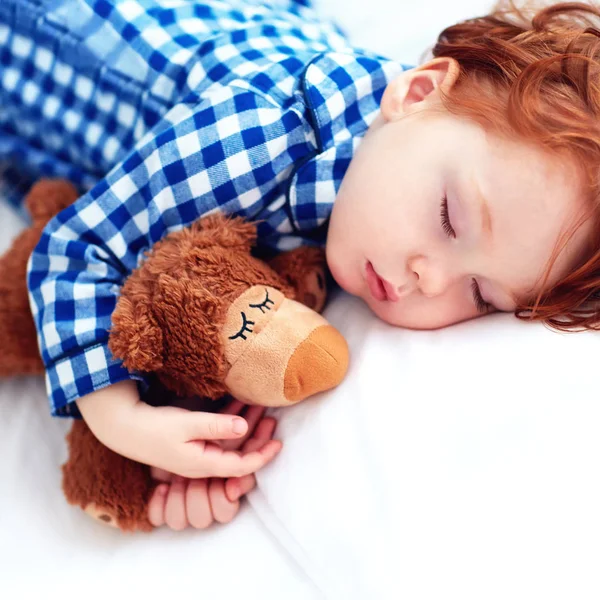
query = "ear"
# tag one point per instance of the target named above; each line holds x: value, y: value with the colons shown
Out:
x: 413, y: 89
x: 135, y: 336
x: 47, y: 197
x: 226, y: 231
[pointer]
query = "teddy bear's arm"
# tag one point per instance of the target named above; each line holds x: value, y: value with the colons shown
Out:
x: 20, y: 353
x: 305, y: 270
x: 107, y: 486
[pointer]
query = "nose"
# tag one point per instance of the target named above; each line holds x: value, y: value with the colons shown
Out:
x: 319, y: 363
x: 432, y: 278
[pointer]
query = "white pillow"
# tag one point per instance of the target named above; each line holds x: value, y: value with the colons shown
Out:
x: 399, y: 30
x: 459, y: 463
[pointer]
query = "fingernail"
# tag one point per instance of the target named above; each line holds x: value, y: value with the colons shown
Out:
x: 239, y: 426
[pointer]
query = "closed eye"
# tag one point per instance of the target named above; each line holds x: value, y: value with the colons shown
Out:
x: 245, y: 328
x: 264, y: 304
x: 483, y: 307
x: 445, y: 218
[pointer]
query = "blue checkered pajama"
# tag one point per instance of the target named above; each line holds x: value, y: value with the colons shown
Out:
x: 162, y: 111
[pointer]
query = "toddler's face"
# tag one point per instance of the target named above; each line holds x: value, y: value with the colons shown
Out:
x: 435, y: 218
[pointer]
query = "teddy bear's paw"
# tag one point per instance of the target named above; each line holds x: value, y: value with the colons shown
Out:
x: 102, y: 515
x: 20, y: 350
x: 47, y: 197
x: 304, y: 270
x: 312, y: 291
x: 106, y: 516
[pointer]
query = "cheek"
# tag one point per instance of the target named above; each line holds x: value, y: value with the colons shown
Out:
x: 370, y: 186
x: 418, y: 312
x: 344, y: 262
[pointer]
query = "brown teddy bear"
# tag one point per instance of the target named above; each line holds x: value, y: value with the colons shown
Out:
x: 17, y: 330
x: 204, y: 318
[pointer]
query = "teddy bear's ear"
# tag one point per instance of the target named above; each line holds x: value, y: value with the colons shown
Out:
x: 47, y: 197
x: 135, y: 336
x: 226, y: 231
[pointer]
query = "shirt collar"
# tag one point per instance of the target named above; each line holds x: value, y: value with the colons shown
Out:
x: 343, y: 94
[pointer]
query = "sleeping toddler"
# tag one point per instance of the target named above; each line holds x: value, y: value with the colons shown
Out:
x: 465, y: 185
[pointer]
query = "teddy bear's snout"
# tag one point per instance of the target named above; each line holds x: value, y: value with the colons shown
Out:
x: 319, y: 363
x: 289, y: 355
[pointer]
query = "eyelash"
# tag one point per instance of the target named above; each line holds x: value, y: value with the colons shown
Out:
x: 264, y: 304
x: 244, y: 328
x: 446, y: 225
x: 480, y: 303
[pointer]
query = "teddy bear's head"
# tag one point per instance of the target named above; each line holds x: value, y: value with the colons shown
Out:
x: 208, y: 319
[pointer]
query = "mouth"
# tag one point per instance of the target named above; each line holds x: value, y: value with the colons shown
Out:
x: 381, y: 289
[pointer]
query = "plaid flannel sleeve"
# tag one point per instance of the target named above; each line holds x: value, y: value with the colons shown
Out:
x: 231, y: 151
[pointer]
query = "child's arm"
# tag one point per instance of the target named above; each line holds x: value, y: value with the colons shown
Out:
x: 170, y: 438
x: 232, y: 151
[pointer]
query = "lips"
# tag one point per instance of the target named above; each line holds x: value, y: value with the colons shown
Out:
x: 380, y: 289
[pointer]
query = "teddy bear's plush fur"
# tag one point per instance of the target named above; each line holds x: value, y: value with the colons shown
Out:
x: 17, y: 331
x: 176, y: 321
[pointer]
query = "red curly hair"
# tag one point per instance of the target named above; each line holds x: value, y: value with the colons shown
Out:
x: 535, y: 75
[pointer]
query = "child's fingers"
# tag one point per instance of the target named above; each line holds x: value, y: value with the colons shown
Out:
x: 236, y: 487
x: 223, y: 510
x: 175, y: 513
x: 209, y: 426
x: 252, y: 416
x: 263, y: 433
x: 156, y: 506
x: 220, y: 463
x: 177, y: 424
x: 197, y: 504
x: 232, y: 408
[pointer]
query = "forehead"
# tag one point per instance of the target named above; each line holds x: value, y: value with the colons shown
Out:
x: 535, y: 197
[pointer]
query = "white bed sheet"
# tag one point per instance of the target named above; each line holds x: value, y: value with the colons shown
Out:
x: 46, y: 544
x: 459, y: 463
x: 485, y: 493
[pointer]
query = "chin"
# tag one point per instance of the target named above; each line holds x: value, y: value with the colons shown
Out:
x: 410, y: 317
x: 382, y: 310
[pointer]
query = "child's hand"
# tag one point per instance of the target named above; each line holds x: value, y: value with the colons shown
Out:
x: 169, y: 438
x: 179, y: 503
